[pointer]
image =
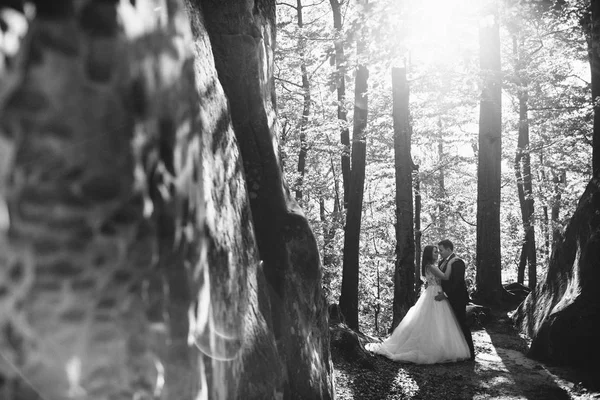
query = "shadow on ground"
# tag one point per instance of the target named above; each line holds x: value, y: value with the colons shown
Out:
x: 504, y: 369
x: 500, y: 371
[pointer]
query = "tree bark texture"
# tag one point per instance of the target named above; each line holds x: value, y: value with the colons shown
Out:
x: 489, y: 282
x: 561, y: 316
x: 524, y: 179
x: 135, y: 266
x: 340, y: 65
x: 441, y: 179
x: 418, y: 233
x: 306, y: 103
x: 330, y: 225
x: 404, y: 272
x: 545, y: 217
x: 559, y: 181
x: 349, y: 292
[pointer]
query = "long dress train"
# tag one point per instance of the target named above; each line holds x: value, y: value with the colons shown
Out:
x: 429, y: 332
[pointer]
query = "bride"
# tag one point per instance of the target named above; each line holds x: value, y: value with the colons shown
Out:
x: 429, y: 332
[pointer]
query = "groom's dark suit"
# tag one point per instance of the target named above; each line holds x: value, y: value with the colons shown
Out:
x: 456, y: 290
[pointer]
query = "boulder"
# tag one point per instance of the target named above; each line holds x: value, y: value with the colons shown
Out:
x: 562, y: 315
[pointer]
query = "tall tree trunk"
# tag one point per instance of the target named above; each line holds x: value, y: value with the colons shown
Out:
x: 559, y: 181
x: 523, y: 175
x: 330, y: 225
x: 441, y: 178
x: 546, y: 232
x: 340, y: 64
x: 418, y: 233
x: 545, y: 218
x: 489, y: 272
x: 404, y: 273
x: 378, y: 305
x: 306, y: 102
x: 349, y: 293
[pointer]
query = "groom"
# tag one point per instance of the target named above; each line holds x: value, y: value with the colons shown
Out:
x: 456, y: 289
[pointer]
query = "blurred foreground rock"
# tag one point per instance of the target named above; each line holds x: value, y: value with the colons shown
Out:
x: 137, y: 261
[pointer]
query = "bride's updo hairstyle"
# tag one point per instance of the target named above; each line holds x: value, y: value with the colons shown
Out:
x: 427, y: 258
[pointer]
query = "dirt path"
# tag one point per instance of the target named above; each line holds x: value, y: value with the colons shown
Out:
x: 500, y: 371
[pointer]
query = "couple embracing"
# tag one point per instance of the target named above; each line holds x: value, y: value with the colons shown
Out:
x: 435, y: 329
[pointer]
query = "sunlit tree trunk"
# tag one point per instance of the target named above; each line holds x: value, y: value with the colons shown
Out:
x: 305, y: 103
x: 545, y: 217
x: 340, y: 64
x: 404, y: 273
x: 377, y: 305
x: 349, y: 295
x: 330, y: 224
x: 489, y: 273
x: 441, y: 178
x: 523, y: 175
x: 546, y: 232
x: 559, y: 180
x: 418, y: 232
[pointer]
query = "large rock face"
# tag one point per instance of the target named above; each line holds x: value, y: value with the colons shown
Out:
x: 130, y: 264
x: 562, y: 316
x: 242, y: 34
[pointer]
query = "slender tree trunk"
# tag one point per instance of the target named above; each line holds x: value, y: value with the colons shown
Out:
x: 559, y: 180
x: 404, y: 274
x: 378, y: 305
x: 524, y: 178
x: 326, y: 232
x: 418, y: 232
x: 349, y: 295
x: 489, y: 273
x: 545, y: 219
x: 340, y: 64
x: 330, y: 224
x: 441, y: 200
x: 546, y: 233
x: 305, y: 104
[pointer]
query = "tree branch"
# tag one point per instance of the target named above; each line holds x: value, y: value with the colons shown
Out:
x: 286, y: 4
x: 291, y: 83
x: 464, y: 220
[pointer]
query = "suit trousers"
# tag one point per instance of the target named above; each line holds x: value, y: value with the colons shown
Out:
x: 461, y: 315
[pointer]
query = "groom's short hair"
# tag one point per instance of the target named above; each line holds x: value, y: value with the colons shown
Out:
x: 447, y: 244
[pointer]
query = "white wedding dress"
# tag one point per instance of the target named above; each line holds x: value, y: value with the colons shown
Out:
x: 428, y: 334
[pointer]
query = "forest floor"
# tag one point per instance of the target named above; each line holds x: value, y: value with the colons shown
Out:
x: 500, y: 371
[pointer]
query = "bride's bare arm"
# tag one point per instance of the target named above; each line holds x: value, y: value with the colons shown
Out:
x: 442, y: 275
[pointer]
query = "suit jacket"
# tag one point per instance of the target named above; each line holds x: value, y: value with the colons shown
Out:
x: 455, y: 287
